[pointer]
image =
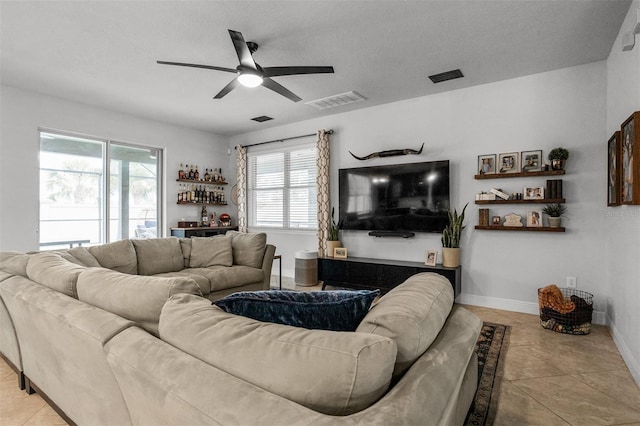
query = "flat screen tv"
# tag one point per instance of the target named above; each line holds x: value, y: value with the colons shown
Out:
x: 410, y: 197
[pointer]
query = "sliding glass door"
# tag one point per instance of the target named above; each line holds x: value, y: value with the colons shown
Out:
x: 96, y: 191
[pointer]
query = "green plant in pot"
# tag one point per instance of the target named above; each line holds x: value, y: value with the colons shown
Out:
x: 555, y: 212
x: 451, y: 238
x: 333, y: 235
x: 558, y: 157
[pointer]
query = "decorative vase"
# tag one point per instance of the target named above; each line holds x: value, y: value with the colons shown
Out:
x: 558, y: 164
x: 450, y: 257
x: 331, y: 245
x: 554, y: 222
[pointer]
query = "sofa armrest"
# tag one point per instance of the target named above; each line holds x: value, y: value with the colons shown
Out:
x: 267, y: 263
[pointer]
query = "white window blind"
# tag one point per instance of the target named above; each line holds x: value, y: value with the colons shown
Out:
x: 282, y: 188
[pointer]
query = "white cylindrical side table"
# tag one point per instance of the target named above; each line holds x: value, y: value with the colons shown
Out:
x: 306, y: 268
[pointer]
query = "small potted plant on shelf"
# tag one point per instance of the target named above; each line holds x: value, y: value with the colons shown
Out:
x: 555, y: 212
x: 451, y: 239
x: 333, y: 235
x: 558, y: 157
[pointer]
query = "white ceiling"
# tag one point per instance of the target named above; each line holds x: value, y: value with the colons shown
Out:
x: 104, y: 53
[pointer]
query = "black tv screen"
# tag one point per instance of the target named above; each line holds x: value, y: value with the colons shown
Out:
x: 410, y: 197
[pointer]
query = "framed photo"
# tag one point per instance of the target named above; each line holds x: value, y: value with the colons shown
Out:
x: 432, y: 256
x: 340, y: 253
x: 630, y: 147
x: 531, y: 161
x: 615, y: 171
x: 534, y: 218
x: 533, y: 193
x: 508, y: 162
x: 496, y: 220
x: 487, y: 164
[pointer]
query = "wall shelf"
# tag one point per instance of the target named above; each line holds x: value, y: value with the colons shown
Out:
x: 542, y: 201
x: 521, y: 174
x: 205, y: 182
x: 520, y: 229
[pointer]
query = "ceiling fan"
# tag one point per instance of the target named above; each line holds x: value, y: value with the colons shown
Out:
x: 250, y: 74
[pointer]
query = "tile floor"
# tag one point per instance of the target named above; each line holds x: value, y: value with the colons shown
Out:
x: 549, y: 379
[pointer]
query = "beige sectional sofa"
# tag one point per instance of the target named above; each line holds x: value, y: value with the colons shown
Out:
x: 110, y: 347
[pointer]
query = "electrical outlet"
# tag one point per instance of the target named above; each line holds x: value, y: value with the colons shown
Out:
x: 572, y: 282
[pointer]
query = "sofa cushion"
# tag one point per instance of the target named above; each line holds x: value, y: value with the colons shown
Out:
x: 55, y: 272
x: 207, y: 252
x: 248, y: 248
x: 222, y: 278
x: 136, y: 298
x: 196, y: 274
x: 158, y: 255
x: 119, y: 256
x: 338, y: 310
x: 331, y: 372
x: 14, y: 263
x: 83, y: 257
x: 411, y: 314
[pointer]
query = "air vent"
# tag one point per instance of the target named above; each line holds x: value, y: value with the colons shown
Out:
x: 337, y: 100
x: 444, y: 76
x: 262, y: 118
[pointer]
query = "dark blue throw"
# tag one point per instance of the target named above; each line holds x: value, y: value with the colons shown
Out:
x: 339, y: 310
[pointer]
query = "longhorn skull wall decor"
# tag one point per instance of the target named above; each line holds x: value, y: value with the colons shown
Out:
x: 389, y: 153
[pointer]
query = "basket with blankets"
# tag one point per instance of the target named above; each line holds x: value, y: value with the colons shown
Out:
x: 565, y: 310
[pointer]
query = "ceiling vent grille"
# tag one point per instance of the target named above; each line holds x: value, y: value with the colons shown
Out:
x: 444, y: 76
x: 337, y: 100
x: 262, y: 118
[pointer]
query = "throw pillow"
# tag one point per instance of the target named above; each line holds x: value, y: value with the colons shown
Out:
x: 339, y: 310
x: 207, y: 252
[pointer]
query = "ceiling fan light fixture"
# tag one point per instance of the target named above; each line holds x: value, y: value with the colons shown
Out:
x: 249, y: 79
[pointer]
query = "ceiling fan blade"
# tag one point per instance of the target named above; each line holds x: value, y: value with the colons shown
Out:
x: 226, y: 89
x: 276, y: 71
x: 208, y: 67
x: 244, y: 54
x: 270, y: 84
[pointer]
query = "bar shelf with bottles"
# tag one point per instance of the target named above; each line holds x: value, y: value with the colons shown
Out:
x: 211, y: 176
x: 195, y: 191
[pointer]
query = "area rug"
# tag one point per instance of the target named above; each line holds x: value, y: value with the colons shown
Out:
x: 491, y: 349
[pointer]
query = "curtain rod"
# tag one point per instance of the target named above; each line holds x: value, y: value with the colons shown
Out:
x: 330, y: 132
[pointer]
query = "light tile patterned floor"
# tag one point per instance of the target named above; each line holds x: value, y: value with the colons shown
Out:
x: 549, y: 379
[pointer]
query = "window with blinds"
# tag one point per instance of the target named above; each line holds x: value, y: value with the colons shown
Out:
x: 282, y: 188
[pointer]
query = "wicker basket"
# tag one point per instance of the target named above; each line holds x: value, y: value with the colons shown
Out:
x: 576, y: 322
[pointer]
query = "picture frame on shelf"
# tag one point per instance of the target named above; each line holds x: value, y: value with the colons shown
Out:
x: 340, y: 253
x: 509, y: 162
x: 534, y: 218
x: 487, y: 164
x: 630, y: 149
x: 496, y: 221
x: 531, y: 161
x: 534, y: 193
x: 431, y: 258
x: 614, y: 174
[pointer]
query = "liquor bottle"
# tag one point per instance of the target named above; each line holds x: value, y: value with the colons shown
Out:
x: 191, y: 174
x: 222, y: 201
x: 196, y: 174
x: 206, y: 175
x: 205, y: 216
x: 220, y: 175
x: 193, y: 193
x: 180, y: 194
x: 181, y: 172
x: 216, y: 175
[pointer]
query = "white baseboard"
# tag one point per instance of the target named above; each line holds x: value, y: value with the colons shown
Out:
x: 598, y: 317
x: 632, y: 363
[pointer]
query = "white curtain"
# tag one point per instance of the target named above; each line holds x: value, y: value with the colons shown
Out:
x: 324, y: 199
x: 241, y: 166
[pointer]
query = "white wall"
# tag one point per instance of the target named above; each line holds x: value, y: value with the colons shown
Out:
x: 23, y: 112
x: 622, y: 239
x: 565, y: 107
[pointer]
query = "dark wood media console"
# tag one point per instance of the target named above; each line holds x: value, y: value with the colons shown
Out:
x: 369, y: 274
